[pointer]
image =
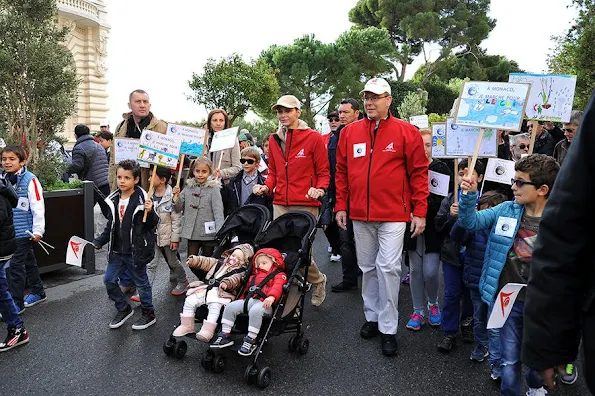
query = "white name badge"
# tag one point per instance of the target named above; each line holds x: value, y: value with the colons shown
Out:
x: 209, y: 227
x: 506, y: 226
x: 359, y: 150
x: 23, y: 204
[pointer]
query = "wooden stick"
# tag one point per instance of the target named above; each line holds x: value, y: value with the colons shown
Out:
x: 456, y: 180
x: 220, y: 159
x: 182, y: 157
x: 533, y: 136
x: 471, y: 167
x: 150, y: 193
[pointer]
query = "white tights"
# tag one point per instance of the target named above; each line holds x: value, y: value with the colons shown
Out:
x: 196, y: 300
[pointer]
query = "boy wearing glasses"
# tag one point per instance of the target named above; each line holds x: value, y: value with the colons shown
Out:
x: 239, y: 191
x: 513, y: 226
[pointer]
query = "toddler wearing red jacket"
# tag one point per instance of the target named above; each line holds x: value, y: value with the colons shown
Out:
x: 264, y: 288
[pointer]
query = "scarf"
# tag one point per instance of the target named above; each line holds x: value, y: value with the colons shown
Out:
x: 132, y: 131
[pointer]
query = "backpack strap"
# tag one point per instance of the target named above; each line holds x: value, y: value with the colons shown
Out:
x: 255, y: 291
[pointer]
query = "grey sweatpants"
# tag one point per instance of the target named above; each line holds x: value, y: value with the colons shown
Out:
x: 255, y: 314
x: 425, y: 276
x: 172, y: 258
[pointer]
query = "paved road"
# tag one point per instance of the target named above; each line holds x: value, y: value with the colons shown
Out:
x: 73, y: 352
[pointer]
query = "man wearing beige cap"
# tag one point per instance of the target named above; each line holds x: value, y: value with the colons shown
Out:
x: 382, y: 174
x: 298, y: 173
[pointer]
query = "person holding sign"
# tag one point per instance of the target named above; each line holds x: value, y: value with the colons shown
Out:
x: 382, y: 178
x: 514, y: 226
x: 298, y: 174
x: 544, y: 141
x: 135, y: 122
x: 227, y: 161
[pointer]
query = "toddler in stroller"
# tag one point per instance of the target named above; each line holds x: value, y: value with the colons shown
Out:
x: 223, y: 280
x: 264, y: 288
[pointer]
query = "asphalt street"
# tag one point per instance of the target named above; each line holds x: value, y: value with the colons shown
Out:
x: 73, y: 352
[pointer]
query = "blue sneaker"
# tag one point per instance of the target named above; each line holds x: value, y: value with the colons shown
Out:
x: 435, y: 318
x: 479, y: 353
x: 417, y: 320
x: 248, y: 346
x: 34, y: 299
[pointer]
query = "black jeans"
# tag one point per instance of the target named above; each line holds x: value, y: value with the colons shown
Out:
x: 23, y: 272
x: 332, y: 234
x: 348, y: 257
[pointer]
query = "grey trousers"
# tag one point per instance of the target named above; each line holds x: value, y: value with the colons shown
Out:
x: 255, y: 314
x: 172, y: 258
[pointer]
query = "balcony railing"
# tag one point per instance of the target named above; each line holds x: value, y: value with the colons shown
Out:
x: 82, y: 8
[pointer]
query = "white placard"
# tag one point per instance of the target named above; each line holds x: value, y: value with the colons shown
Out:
x: 262, y: 166
x: 504, y: 303
x: 439, y: 140
x: 499, y: 171
x: 193, y: 139
x: 125, y: 149
x: 224, y: 139
x: 438, y: 183
x: 550, y: 97
x: 159, y: 149
x: 74, y: 251
x: 492, y: 105
x: 461, y: 140
x: 420, y: 121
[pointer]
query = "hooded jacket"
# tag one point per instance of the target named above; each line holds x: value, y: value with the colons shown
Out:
x: 382, y: 171
x: 89, y: 161
x: 170, y: 221
x: 273, y: 287
x: 297, y: 161
x: 8, y: 201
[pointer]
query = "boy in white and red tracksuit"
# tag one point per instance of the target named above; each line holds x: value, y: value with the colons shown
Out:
x: 264, y: 288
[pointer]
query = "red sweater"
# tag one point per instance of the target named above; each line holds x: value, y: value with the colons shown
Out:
x: 382, y: 171
x: 302, y: 165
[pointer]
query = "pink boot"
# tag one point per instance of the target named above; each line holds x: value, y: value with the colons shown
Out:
x: 186, y: 326
x: 206, y: 331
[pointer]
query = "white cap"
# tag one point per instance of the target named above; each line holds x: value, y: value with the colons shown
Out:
x: 103, y: 123
x: 377, y: 86
x: 287, y: 101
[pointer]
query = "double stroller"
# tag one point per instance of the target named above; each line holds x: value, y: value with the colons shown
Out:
x: 292, y: 234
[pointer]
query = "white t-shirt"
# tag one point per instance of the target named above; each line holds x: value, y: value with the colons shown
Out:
x: 122, y: 205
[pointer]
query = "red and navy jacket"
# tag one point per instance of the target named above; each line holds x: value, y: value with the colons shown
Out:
x: 382, y: 171
x: 274, y: 287
x: 302, y: 165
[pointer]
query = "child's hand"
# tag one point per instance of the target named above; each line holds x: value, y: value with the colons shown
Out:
x: 148, y: 205
x: 223, y: 286
x: 468, y: 184
x: 36, y: 238
x: 454, y: 210
x: 195, y: 284
x: 259, y: 189
x: 218, y: 173
x: 96, y: 246
x: 176, y: 190
x: 174, y: 245
x: 268, y: 302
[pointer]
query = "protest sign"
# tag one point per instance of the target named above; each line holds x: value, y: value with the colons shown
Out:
x: 125, y: 149
x: 499, y: 171
x: 438, y: 183
x: 193, y: 139
x: 262, y: 166
x: 550, y: 97
x: 492, y: 105
x: 420, y: 121
x: 224, y: 139
x: 503, y: 305
x: 439, y: 140
x: 461, y: 141
x: 74, y: 251
x: 159, y: 149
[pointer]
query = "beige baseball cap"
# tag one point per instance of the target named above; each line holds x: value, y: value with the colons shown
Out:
x: 377, y: 86
x: 287, y: 101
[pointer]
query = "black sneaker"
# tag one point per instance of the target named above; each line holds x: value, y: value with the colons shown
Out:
x: 121, y: 317
x: 147, y: 319
x: 369, y: 330
x: 222, y: 341
x: 389, y: 344
x: 342, y: 287
x: 447, y: 343
x: 248, y: 346
x: 467, y: 334
x: 14, y: 338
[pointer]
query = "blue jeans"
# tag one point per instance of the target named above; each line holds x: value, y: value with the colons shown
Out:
x: 119, y: 264
x: 9, y: 311
x: 483, y: 336
x: 455, y: 291
x: 511, y: 340
x: 23, y: 272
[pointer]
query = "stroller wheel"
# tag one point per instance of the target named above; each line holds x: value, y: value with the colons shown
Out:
x: 218, y: 364
x: 180, y: 349
x: 168, y: 346
x: 207, y: 360
x: 304, y: 345
x: 251, y: 374
x: 293, y: 343
x: 264, y: 378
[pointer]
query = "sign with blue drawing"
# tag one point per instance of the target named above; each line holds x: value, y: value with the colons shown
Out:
x: 159, y: 149
x: 461, y: 141
x: 492, y: 105
x: 550, y: 97
x: 193, y: 139
x: 439, y: 140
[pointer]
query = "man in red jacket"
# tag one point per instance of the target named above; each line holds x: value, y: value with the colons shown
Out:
x: 382, y: 171
x: 298, y: 174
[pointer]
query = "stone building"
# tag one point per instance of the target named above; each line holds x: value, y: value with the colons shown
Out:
x: 87, y: 41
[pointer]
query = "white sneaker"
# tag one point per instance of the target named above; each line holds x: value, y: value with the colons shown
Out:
x: 335, y: 258
x: 537, y: 392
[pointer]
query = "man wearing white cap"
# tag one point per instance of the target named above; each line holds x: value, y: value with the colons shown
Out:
x: 104, y: 126
x: 298, y: 173
x: 382, y: 174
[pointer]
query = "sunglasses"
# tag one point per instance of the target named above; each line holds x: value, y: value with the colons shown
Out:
x: 241, y: 141
x: 568, y: 130
x: 248, y: 161
x: 523, y: 146
x: 333, y: 120
x: 520, y: 183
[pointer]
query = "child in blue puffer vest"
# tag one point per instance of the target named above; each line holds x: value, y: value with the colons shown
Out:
x: 474, y: 242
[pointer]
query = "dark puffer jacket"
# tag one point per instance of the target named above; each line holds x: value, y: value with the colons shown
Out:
x: 8, y: 201
x: 89, y: 161
x: 475, y: 247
